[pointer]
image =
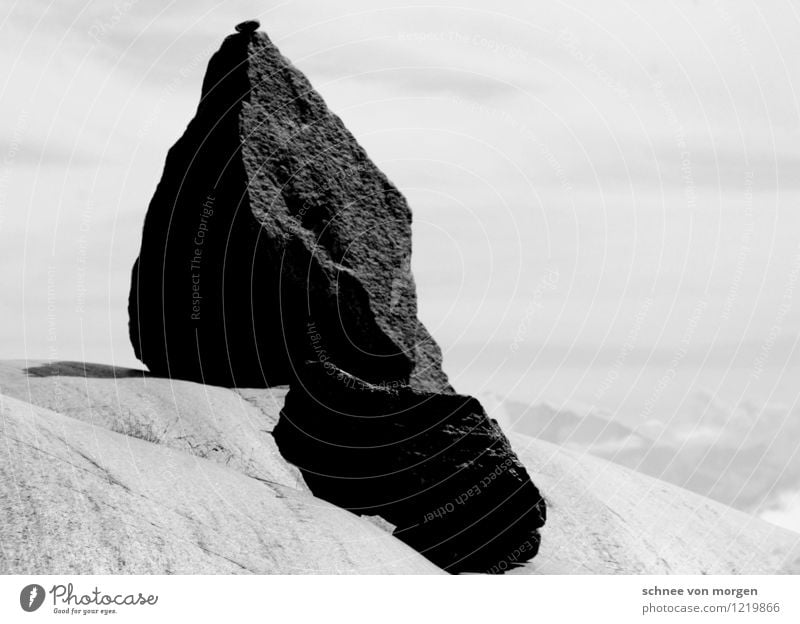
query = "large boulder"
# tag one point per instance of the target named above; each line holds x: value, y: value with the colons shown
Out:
x: 273, y: 238
x: 433, y: 465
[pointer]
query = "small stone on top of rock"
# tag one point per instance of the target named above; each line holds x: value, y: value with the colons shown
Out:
x: 249, y: 26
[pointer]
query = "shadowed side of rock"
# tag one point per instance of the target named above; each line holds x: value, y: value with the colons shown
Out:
x: 434, y: 465
x: 272, y: 238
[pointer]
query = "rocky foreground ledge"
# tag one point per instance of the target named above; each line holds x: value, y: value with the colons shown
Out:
x: 106, y: 470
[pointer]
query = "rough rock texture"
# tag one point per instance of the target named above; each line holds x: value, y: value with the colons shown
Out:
x: 62, y: 514
x: 433, y: 465
x: 272, y: 238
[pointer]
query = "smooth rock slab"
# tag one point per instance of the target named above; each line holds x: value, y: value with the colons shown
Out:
x: 79, y: 499
x: 602, y: 518
x: 272, y: 238
x: 206, y: 421
x: 607, y: 519
x: 433, y: 465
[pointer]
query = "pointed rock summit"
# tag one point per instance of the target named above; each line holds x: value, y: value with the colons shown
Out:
x: 272, y: 238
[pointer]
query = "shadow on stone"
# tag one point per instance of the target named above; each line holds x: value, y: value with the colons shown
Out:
x: 434, y: 465
x: 68, y: 368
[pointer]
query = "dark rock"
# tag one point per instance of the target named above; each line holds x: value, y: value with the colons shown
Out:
x: 433, y: 465
x: 271, y: 241
x: 272, y: 238
x: 249, y: 26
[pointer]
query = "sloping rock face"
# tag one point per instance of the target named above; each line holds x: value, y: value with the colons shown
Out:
x: 212, y: 423
x: 434, y: 465
x: 62, y: 513
x: 607, y: 519
x: 272, y: 238
x: 80, y: 499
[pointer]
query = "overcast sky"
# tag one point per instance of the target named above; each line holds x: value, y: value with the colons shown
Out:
x: 588, y: 180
